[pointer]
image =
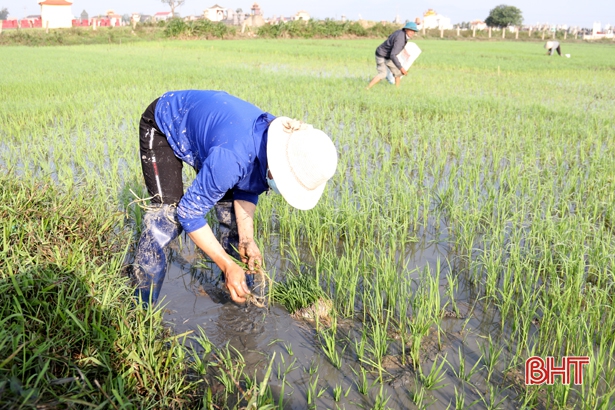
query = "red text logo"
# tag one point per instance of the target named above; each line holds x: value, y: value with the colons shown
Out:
x: 539, y: 371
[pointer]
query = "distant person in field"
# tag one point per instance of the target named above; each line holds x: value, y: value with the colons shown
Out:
x: 238, y: 151
x: 552, y: 45
x: 386, y: 54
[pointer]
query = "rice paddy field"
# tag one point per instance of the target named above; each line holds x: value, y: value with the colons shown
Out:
x: 470, y: 226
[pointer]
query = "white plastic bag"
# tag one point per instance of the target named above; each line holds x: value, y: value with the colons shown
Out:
x: 406, y: 57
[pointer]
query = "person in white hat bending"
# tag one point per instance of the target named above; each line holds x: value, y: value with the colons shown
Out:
x: 552, y: 45
x: 238, y: 152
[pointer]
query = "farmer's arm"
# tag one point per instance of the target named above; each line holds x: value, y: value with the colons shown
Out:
x: 220, y: 172
x: 398, y: 45
x: 250, y: 254
x: 234, y: 275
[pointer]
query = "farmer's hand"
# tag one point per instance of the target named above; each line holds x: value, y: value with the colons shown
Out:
x: 403, y: 71
x: 234, y: 276
x: 251, y: 255
x: 235, y: 281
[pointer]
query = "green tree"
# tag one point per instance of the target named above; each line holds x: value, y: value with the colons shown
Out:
x: 504, y: 16
x: 4, y: 13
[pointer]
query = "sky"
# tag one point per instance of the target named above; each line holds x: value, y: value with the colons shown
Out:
x: 570, y: 12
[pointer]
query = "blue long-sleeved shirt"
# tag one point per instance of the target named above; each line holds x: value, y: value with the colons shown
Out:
x: 224, y: 138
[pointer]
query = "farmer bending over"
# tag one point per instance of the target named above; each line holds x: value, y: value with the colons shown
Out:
x: 238, y: 152
x: 386, y: 54
x: 553, y: 45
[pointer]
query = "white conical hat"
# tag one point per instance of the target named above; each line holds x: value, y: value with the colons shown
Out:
x: 301, y: 160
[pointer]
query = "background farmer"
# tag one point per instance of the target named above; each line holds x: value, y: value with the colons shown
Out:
x: 553, y: 45
x: 239, y: 152
x: 386, y: 54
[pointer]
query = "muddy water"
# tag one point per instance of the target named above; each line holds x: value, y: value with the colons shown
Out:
x: 194, y: 298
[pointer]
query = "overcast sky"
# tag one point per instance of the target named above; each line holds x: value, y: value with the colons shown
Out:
x: 574, y: 13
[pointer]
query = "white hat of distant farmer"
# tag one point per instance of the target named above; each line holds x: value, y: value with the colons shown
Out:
x: 301, y: 160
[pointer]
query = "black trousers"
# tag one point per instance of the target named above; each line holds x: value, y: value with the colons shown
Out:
x: 162, y: 170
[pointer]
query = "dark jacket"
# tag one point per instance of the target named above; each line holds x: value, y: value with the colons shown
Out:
x: 393, y: 46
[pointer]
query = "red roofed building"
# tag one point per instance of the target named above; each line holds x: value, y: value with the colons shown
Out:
x: 162, y: 15
x: 56, y: 13
x: 115, y: 20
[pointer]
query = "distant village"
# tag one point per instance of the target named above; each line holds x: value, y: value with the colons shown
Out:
x: 58, y: 14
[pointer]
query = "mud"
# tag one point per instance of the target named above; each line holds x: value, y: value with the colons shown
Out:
x: 321, y: 310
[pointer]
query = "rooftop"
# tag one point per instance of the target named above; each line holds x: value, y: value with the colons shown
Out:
x: 55, y: 3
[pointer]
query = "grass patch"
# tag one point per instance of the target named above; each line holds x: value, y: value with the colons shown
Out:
x: 80, y: 35
x: 69, y: 334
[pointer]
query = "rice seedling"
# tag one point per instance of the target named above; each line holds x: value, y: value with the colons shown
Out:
x: 362, y: 382
x: 259, y: 396
x: 490, y: 399
x: 460, y: 400
x: 360, y: 345
x: 232, y: 363
x: 313, y: 368
x: 460, y: 371
x: 381, y: 401
x: 312, y: 392
x: 337, y: 392
x: 289, y: 348
x: 329, y: 346
x: 283, y: 370
x: 490, y: 356
x: 418, y: 397
x: 433, y: 379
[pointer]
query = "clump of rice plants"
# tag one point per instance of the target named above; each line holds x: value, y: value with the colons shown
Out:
x: 303, y: 297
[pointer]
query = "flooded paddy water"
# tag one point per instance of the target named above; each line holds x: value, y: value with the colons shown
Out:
x: 194, y: 299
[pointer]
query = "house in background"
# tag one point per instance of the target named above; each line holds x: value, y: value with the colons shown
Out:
x: 255, y: 19
x: 256, y: 10
x: 233, y: 17
x: 215, y: 13
x: 56, y: 13
x: 114, y: 18
x: 162, y: 15
x: 301, y: 15
x: 431, y: 19
x: 478, y: 25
